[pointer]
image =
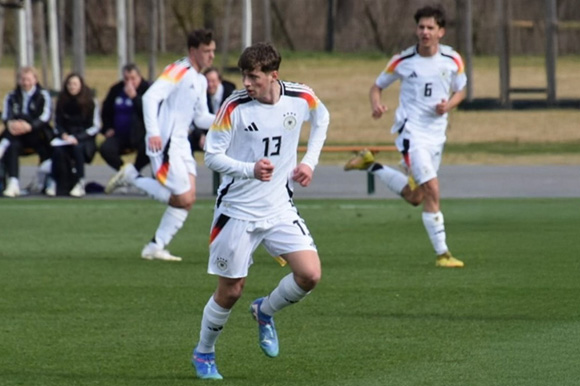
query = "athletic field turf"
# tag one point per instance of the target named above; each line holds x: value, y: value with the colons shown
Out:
x: 79, y: 307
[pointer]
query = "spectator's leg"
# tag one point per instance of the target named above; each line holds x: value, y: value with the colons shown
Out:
x: 141, y: 159
x: 78, y: 155
x: 58, y: 164
x: 11, y: 157
x: 110, y: 150
x: 38, y: 141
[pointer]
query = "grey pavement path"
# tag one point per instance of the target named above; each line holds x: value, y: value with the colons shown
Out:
x: 457, y: 181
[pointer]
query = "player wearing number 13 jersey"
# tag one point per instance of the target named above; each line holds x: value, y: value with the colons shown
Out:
x: 253, y: 143
x: 246, y: 130
x: 432, y: 84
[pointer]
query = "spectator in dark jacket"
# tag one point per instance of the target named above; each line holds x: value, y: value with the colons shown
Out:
x: 218, y: 90
x: 26, y: 115
x: 122, y: 116
x: 77, y: 123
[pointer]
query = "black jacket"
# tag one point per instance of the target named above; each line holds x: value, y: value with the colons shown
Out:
x: 229, y: 88
x: 71, y: 120
x: 108, y: 110
x: 36, y: 105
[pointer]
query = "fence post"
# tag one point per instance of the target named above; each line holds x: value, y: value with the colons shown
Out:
x: 370, y: 183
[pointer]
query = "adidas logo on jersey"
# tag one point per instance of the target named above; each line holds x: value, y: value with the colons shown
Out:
x: 252, y: 127
x: 413, y: 75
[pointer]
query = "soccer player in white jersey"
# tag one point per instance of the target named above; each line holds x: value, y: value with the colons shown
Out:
x: 253, y: 143
x: 429, y: 73
x: 176, y: 98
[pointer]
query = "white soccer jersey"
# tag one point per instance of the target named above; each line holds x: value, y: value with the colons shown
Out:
x: 425, y: 81
x: 246, y: 131
x: 176, y: 98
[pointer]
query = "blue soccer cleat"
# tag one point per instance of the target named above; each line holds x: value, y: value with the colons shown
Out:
x: 266, y: 330
x: 205, y: 366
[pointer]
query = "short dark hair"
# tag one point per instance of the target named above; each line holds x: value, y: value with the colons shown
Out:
x: 199, y: 36
x: 129, y: 67
x: 434, y: 11
x: 207, y: 70
x: 260, y: 56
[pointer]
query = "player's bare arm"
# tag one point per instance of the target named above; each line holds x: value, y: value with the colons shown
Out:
x: 302, y: 174
x: 263, y: 170
x: 447, y: 105
x: 378, y: 108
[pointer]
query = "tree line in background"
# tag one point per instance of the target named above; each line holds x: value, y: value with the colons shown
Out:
x: 313, y: 25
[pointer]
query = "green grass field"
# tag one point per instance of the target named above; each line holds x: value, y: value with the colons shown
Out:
x: 79, y: 307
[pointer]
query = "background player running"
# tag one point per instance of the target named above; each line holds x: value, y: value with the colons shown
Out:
x: 429, y: 72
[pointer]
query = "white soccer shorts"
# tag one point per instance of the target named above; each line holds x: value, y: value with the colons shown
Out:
x: 174, y: 174
x: 233, y: 241
x: 424, y: 161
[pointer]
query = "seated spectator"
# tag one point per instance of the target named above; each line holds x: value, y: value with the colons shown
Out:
x: 218, y: 89
x: 26, y: 114
x: 77, y: 123
x: 122, y: 116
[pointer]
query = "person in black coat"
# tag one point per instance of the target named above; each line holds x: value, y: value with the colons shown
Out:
x: 77, y: 122
x: 122, y: 117
x: 26, y: 114
x: 218, y: 90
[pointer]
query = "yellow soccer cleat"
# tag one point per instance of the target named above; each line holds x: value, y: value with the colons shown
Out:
x: 282, y: 261
x: 411, y: 182
x: 445, y: 260
x: 361, y: 161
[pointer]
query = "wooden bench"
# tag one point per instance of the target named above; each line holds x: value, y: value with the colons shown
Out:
x: 335, y: 149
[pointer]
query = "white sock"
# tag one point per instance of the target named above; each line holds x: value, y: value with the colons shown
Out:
x: 4, y: 144
x: 213, y: 321
x: 393, y: 179
x: 287, y: 293
x: 153, y: 188
x: 171, y: 222
x: 436, y: 230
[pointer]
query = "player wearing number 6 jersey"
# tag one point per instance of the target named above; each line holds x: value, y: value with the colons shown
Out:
x: 253, y: 144
x: 432, y: 84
